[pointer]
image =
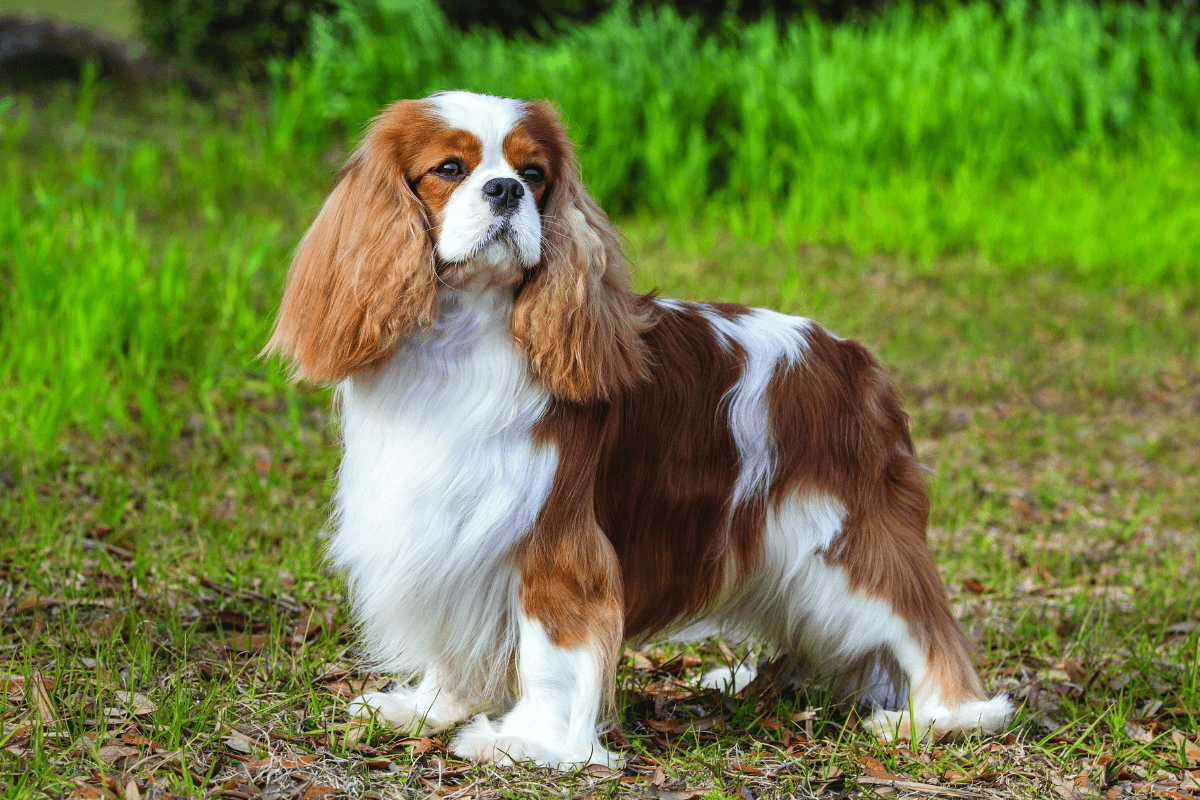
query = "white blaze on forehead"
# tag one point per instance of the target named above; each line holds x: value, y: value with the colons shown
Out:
x: 489, y: 118
x: 468, y: 221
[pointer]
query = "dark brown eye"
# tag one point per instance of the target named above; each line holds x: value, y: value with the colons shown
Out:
x: 533, y: 175
x: 451, y: 169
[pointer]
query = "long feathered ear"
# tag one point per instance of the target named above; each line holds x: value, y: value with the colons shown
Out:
x: 363, y: 276
x: 577, y: 315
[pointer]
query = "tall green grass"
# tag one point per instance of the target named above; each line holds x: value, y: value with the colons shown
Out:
x: 138, y: 266
x: 1060, y: 133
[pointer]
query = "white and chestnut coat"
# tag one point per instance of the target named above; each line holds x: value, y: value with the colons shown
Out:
x: 540, y: 464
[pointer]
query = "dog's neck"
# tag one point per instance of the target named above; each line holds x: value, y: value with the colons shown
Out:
x: 472, y: 312
x: 468, y: 352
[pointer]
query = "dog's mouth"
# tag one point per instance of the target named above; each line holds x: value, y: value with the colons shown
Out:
x: 495, y: 259
x: 497, y: 243
x: 500, y: 232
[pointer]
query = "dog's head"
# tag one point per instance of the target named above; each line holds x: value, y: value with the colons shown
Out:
x: 462, y: 192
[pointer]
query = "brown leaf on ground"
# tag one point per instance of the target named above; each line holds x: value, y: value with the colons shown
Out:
x: 748, y: 769
x: 139, y: 705
x: 873, y: 768
x: 640, y: 662
x: 85, y: 791
x: 921, y: 789
x: 1191, y: 752
x: 239, y: 742
x: 419, y: 745
x: 245, y: 642
x: 256, y: 765
x: 137, y: 739
x: 310, y: 623
x: 42, y: 705
x: 1138, y: 733
x: 225, y: 618
x: 13, y: 686
x: 832, y: 773
x: 1076, y: 672
x: 708, y: 722
x: 910, y: 756
x: 111, y: 753
x: 334, y: 674
x: 598, y: 771
x: 437, y: 787
x: 1066, y: 789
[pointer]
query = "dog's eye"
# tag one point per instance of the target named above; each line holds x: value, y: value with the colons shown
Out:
x: 450, y: 169
x: 533, y: 175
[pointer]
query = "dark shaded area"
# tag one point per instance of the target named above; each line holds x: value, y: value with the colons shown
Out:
x: 536, y: 18
x: 35, y: 51
x: 211, y: 41
x: 230, y: 37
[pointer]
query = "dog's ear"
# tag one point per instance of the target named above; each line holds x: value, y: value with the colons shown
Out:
x: 576, y: 315
x: 363, y: 277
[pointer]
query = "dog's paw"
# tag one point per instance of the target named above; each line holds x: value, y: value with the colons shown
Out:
x: 724, y: 679
x: 406, y: 710
x: 490, y: 743
x: 977, y: 716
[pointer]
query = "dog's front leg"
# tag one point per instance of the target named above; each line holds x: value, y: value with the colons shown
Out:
x: 570, y: 629
x: 427, y: 707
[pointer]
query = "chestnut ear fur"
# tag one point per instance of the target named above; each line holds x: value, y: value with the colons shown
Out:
x: 363, y: 276
x: 576, y: 315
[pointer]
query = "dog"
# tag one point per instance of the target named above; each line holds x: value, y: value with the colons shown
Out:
x: 541, y: 465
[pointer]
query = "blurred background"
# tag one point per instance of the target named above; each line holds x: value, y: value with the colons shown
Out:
x: 172, y: 151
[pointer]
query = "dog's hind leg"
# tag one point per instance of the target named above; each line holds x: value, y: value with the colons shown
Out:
x: 869, y: 617
x: 883, y: 551
x: 847, y: 516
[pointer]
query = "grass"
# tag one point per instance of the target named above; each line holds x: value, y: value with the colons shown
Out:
x: 166, y: 625
x: 1062, y: 132
x: 130, y: 271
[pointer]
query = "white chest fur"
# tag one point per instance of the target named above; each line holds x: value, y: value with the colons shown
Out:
x: 439, y: 480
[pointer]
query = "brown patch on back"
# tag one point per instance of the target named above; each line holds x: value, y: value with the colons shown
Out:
x: 840, y: 430
x: 660, y: 465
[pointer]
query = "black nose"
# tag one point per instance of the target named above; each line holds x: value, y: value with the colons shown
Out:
x: 503, y: 194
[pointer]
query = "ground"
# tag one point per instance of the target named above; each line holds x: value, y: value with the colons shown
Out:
x: 167, y: 625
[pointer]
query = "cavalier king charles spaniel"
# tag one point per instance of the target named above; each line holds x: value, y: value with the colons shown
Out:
x: 541, y: 465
